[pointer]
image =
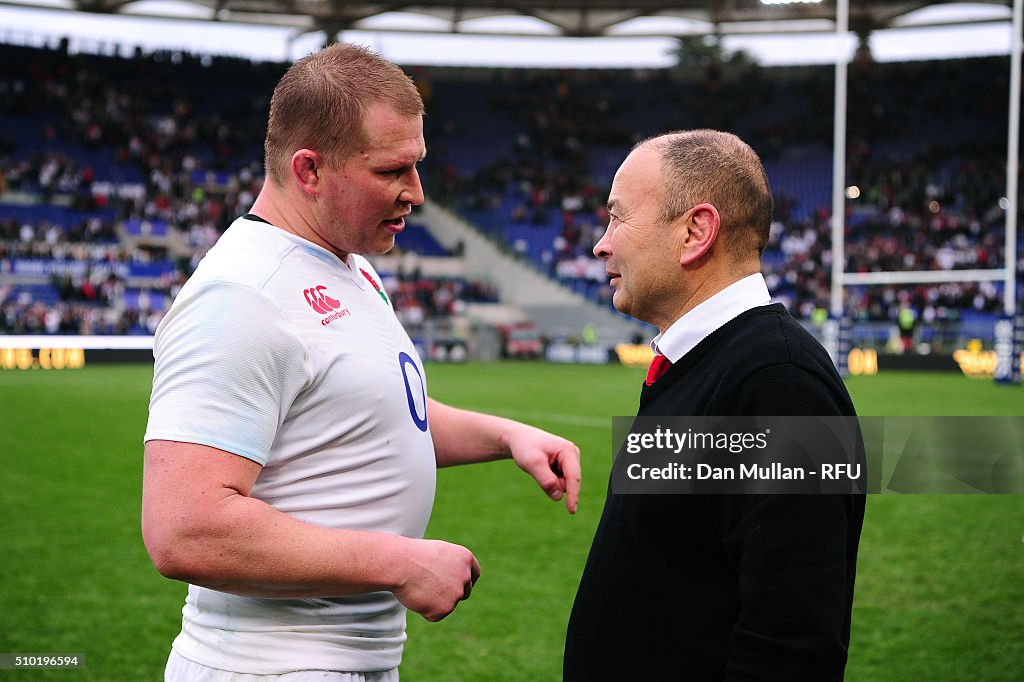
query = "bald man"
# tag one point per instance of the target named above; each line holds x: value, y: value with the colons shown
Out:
x: 713, y: 587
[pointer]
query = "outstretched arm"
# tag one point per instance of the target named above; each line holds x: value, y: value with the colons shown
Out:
x: 463, y: 437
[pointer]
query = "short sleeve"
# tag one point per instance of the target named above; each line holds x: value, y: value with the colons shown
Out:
x: 227, y: 369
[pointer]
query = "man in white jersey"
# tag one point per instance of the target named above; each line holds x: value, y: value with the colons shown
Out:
x: 291, y: 447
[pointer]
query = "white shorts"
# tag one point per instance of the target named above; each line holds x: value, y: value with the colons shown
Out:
x: 181, y: 669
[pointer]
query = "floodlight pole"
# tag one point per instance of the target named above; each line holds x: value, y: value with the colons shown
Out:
x: 839, y: 160
x: 1012, y: 165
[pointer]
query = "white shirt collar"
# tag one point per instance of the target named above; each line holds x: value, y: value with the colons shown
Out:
x: 698, y: 323
x: 348, y: 263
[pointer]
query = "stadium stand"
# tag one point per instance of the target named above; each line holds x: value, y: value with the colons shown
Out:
x: 926, y: 174
x: 119, y: 173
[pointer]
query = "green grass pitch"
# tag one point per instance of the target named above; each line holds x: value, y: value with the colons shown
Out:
x: 940, y: 584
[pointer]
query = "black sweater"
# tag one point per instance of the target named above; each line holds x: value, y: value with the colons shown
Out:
x: 725, y: 587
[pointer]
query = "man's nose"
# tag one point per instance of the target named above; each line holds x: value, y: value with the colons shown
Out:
x: 413, y: 192
x: 603, y: 249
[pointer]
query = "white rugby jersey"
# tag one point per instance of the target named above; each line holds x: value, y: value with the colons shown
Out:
x: 279, y: 351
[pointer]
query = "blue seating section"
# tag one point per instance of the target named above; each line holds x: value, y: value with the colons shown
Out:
x: 416, y: 238
x: 146, y: 228
x: 34, y: 293
x: 64, y: 216
x: 134, y: 299
x: 145, y: 299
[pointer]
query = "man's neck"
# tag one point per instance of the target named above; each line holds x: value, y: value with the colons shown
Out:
x: 705, y: 289
x: 273, y: 206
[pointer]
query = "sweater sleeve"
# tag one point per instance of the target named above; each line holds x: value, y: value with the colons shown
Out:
x: 791, y: 557
x: 795, y: 555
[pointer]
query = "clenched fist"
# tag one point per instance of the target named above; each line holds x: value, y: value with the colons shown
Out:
x: 437, y: 575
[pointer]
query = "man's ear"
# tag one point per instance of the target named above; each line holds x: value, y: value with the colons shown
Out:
x: 305, y: 167
x: 702, y: 224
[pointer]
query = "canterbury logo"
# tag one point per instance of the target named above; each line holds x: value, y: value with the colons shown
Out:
x: 319, y: 301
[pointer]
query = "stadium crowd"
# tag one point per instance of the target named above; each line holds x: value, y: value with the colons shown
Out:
x: 914, y: 203
x: 160, y: 144
x: 153, y: 140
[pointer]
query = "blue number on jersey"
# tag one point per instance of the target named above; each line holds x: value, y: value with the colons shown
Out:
x: 416, y: 395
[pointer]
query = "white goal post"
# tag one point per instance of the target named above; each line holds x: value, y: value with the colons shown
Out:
x: 1008, y: 330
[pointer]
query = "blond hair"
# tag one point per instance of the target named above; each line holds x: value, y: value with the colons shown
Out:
x: 709, y: 166
x: 321, y: 101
